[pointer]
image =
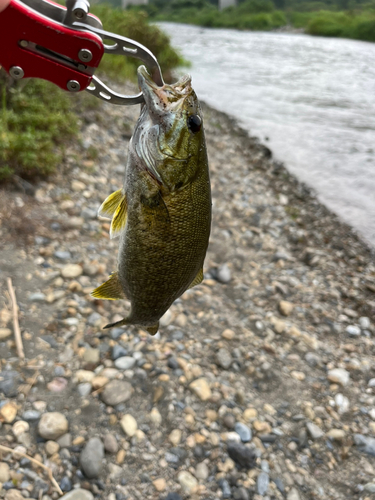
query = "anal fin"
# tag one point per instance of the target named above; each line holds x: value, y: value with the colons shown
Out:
x: 110, y: 290
x: 197, y: 280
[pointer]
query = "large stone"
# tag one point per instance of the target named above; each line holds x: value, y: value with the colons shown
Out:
x: 188, y: 482
x: 116, y: 392
x: 201, y: 388
x: 78, y: 494
x: 91, y: 458
x: 52, y: 425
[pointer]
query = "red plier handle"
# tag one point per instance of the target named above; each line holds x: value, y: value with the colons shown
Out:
x: 34, y: 45
x: 41, y: 39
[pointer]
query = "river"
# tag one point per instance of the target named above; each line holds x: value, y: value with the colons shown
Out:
x: 310, y: 99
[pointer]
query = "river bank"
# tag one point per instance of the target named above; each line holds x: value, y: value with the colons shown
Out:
x: 261, y: 382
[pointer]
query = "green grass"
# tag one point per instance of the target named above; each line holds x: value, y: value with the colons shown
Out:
x: 37, y: 119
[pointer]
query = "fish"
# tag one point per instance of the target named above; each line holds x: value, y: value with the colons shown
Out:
x: 162, y: 213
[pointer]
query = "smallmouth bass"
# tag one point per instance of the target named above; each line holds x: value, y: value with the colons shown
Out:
x: 163, y: 211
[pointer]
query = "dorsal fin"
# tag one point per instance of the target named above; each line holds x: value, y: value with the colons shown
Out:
x: 198, y: 279
x: 110, y: 290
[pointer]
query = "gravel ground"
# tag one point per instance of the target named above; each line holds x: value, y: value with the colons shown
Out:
x: 261, y: 382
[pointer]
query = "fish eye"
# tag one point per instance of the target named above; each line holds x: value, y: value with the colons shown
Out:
x: 194, y: 123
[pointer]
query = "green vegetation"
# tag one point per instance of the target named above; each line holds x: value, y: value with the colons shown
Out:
x: 37, y: 119
x: 334, y: 18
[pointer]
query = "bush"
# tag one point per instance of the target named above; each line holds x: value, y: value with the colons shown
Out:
x: 35, y: 123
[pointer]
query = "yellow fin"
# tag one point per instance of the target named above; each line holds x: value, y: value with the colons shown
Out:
x: 110, y: 290
x: 198, y: 279
x: 119, y: 219
x: 110, y: 204
x: 153, y: 329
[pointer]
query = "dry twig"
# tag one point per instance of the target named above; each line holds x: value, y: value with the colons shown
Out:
x: 40, y: 464
x: 16, y: 326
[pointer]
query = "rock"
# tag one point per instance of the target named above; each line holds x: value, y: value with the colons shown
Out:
x: 63, y: 255
x: 223, y: 274
x: 125, y: 363
x: 173, y: 496
x: 201, y: 389
x: 342, y: 403
x: 5, y: 333
x: 364, y: 322
x: 225, y: 488
x: 250, y: 414
x: 37, y: 297
x: 84, y: 376
x: 78, y: 494
x: 339, y: 376
x: 84, y: 389
x: 365, y: 443
x: 77, y: 185
x: 241, y: 454
x: 223, y: 358
x: 160, y: 484
x: 188, y: 482
x: 91, y: 458
x: 314, y: 430
x: 118, y: 351
x: 129, y: 425
x: 175, y: 437
x: 353, y: 330
x: 65, y: 484
x: 94, y: 319
x: 65, y: 441
x: 4, y: 472
x: 229, y: 420
x: 31, y: 415
x: 8, y: 412
x: 91, y: 356
x: 20, y: 427
x: 52, y: 425
x: 228, y: 334
x: 263, y: 481
x: 336, y: 434
x: 51, y: 447
x: 155, y: 417
x: 110, y: 443
x: 369, y: 487
x: 285, y: 307
x: 293, y: 494
x: 371, y: 382
x: 71, y: 271
x: 243, y: 431
x: 13, y: 495
x: 9, y: 381
x: 201, y: 471
x: 172, y: 363
x: 116, y: 392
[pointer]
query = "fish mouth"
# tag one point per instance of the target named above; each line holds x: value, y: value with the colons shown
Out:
x: 165, y: 98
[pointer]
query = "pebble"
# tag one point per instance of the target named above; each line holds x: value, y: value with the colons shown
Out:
x: 118, y: 351
x: 371, y: 382
x: 110, y: 443
x: 65, y: 441
x: 243, y: 431
x: 37, y: 297
x: 339, y: 376
x: 173, y: 496
x: 201, y: 471
x: 4, y: 472
x: 201, y: 389
x: 293, y: 494
x: 5, y: 333
x: 160, y: 484
x: 336, y: 434
x: 353, y: 330
x: 78, y: 494
x: 241, y: 454
x: 116, y: 392
x: 51, y: 447
x: 91, y: 356
x: 224, y: 358
x: 314, y: 430
x: 342, y: 403
x: 125, y: 363
x: 365, y: 443
x: 91, y: 458
x: 84, y: 389
x: 228, y: 334
x: 285, y: 307
x: 223, y: 274
x: 71, y: 271
x: 175, y: 437
x: 20, y: 427
x: 263, y: 482
x: 129, y: 425
x: 63, y: 255
x: 52, y: 425
x: 8, y: 412
x: 65, y: 484
x: 31, y: 415
x: 13, y: 495
x: 225, y: 488
x: 364, y: 322
x: 188, y: 482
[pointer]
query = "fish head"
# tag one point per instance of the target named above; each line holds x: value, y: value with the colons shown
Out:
x: 169, y: 131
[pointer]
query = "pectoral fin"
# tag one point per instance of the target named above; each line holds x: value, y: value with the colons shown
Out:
x: 198, y: 279
x: 110, y: 290
x: 110, y: 204
x: 119, y: 219
x: 153, y: 330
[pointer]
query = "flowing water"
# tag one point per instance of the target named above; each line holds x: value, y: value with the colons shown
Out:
x: 312, y: 99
